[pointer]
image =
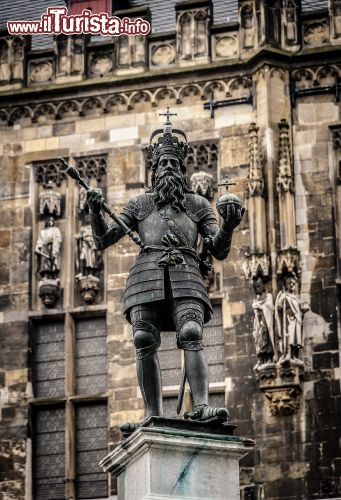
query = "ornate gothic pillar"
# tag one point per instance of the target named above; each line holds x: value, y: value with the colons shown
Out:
x: 258, y: 260
x: 288, y: 256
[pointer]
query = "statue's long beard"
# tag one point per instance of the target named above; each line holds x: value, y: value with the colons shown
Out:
x: 170, y: 189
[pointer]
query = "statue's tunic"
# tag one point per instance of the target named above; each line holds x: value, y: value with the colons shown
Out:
x: 170, y: 240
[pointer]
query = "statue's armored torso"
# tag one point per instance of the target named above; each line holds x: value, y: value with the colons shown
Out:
x: 170, y: 239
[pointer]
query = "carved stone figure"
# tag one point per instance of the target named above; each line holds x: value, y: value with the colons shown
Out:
x: 263, y: 328
x: 284, y: 401
x: 165, y: 289
x: 289, y: 319
x: 88, y: 257
x: 290, y: 21
x: 248, y: 26
x: 47, y: 250
x: 50, y: 201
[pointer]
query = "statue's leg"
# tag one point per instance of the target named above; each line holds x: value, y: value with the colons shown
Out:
x: 189, y: 319
x: 147, y: 340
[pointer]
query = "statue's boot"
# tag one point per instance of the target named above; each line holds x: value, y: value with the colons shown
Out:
x: 149, y: 379
x: 196, y: 370
x: 128, y: 428
x: 206, y: 413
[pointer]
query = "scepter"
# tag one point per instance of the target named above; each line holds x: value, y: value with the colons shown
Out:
x: 73, y: 172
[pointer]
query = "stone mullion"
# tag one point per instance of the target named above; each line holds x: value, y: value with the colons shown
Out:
x: 70, y: 451
x: 69, y: 242
x: 335, y: 165
x: 34, y: 189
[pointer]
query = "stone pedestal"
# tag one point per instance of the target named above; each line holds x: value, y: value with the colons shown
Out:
x: 174, y: 459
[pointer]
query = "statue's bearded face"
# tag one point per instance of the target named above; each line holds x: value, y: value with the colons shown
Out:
x: 170, y: 184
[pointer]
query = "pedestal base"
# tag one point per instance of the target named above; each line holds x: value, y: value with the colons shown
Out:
x: 176, y: 459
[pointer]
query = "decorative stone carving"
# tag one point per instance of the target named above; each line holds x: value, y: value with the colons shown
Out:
x: 41, y: 71
x: 256, y: 199
x: 101, y: 63
x: 202, y: 183
x: 284, y: 401
x: 88, y: 258
x: 88, y: 261
x: 50, y: 202
x: 288, y: 261
x: 163, y: 54
x: 289, y: 22
x: 44, y: 113
x: 316, y: 33
x: 92, y: 106
x: 193, y: 33
x: 226, y: 46
x: 289, y: 313
x: 12, y: 150
x: 47, y: 250
x: 5, y: 71
x: 335, y: 14
x: 89, y: 287
x: 263, y: 324
x: 285, y: 178
x: 49, y: 291
x: 21, y: 115
x: 48, y: 172
x: 70, y: 51
x: 285, y: 189
x: 111, y: 102
x: 131, y: 51
x: 247, y: 22
x: 92, y: 167
x: 256, y: 178
x: 203, y: 157
x: 336, y: 137
x: 11, y: 59
x: 257, y: 265
x: 68, y: 109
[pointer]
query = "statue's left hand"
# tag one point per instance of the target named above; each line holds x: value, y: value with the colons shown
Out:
x: 232, y: 216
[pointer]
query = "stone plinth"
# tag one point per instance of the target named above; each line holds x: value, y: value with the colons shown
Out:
x: 173, y: 458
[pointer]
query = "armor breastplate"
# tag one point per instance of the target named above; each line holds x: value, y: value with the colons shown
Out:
x: 154, y: 226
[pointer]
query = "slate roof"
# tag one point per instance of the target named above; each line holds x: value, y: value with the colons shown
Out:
x: 162, y: 11
x: 28, y: 10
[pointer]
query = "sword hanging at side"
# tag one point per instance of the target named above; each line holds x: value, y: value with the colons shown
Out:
x: 181, y: 390
x: 73, y: 172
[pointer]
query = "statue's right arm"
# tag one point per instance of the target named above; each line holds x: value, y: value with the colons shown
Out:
x: 104, y: 234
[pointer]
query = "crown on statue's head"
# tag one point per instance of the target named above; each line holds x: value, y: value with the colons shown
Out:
x: 167, y: 142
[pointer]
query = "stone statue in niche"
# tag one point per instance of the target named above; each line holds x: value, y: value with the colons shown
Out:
x: 247, y: 25
x: 88, y: 261
x: 289, y: 313
x: 290, y: 21
x: 5, y: 71
x: 47, y: 250
x: 88, y: 257
x: 336, y: 11
x: 185, y: 45
x: 159, y: 296
x: 263, y: 324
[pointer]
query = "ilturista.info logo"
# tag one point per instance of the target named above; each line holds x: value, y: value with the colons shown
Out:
x: 56, y: 21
